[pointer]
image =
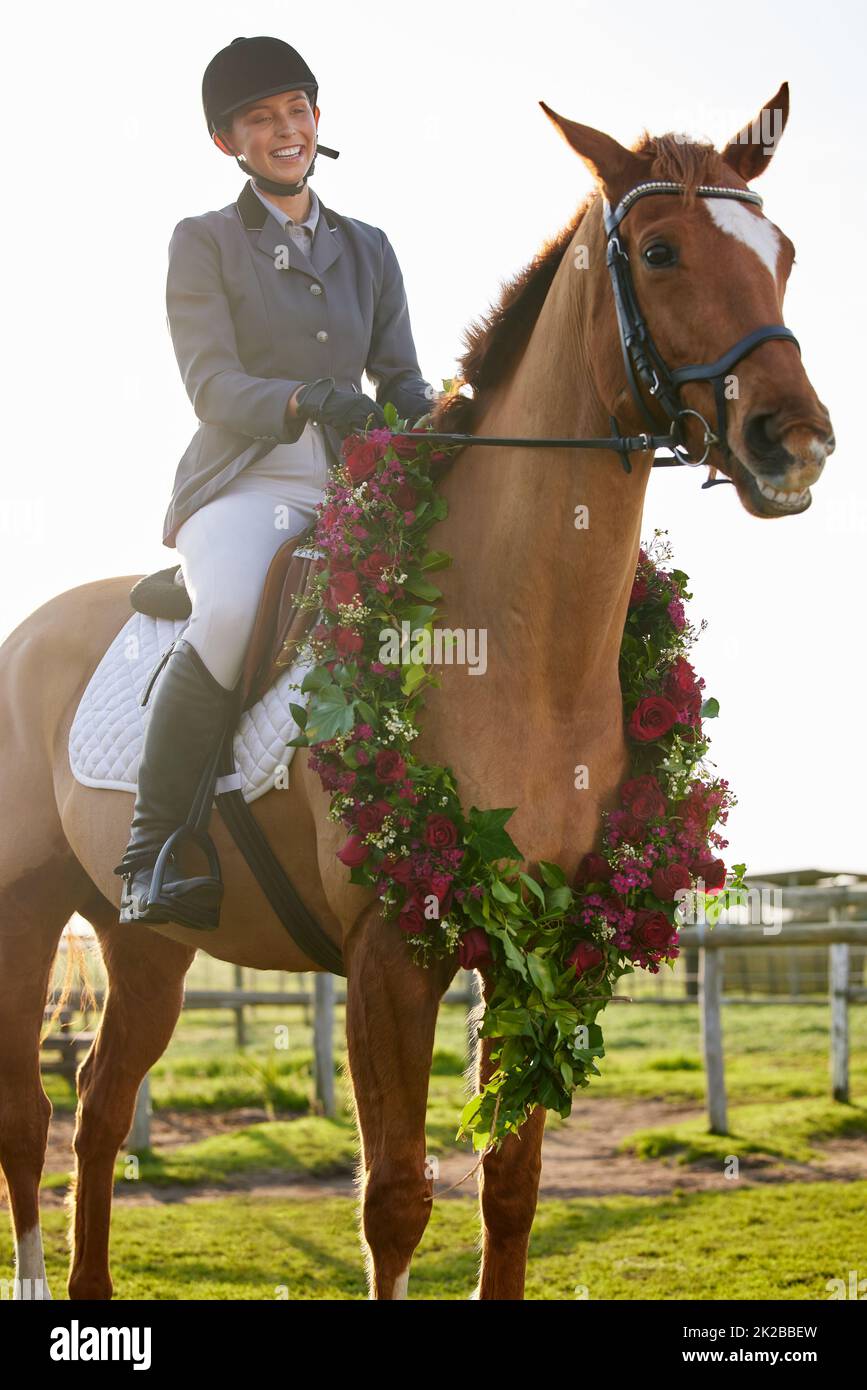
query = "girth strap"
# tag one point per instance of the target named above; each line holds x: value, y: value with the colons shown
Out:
x: 269, y: 873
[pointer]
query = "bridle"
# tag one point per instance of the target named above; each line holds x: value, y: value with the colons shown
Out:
x: 643, y: 363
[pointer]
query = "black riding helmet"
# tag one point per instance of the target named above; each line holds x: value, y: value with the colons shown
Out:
x: 246, y: 70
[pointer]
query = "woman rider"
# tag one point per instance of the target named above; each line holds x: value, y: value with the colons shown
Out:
x: 276, y: 305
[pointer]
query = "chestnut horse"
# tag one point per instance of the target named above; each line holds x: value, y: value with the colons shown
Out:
x: 553, y: 598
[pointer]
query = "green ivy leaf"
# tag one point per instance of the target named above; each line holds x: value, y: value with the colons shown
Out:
x: 436, y: 560
x: 533, y: 886
x: 558, y: 899
x: 316, y: 679
x: 552, y: 874
x: 710, y: 708
x: 489, y: 838
x: 416, y: 583
x: 415, y: 675
x: 540, y: 974
x: 330, y: 714
x: 299, y: 714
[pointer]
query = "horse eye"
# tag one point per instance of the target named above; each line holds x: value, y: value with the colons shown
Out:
x: 659, y: 253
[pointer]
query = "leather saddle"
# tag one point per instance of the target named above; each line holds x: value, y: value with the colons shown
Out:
x: 281, y: 623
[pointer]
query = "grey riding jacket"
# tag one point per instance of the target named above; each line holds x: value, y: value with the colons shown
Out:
x: 252, y: 317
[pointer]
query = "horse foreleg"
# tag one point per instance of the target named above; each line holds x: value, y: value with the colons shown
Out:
x: 34, y: 909
x: 145, y: 993
x: 391, y: 1013
x: 509, y: 1190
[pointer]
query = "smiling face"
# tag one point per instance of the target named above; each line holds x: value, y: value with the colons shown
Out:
x: 276, y: 135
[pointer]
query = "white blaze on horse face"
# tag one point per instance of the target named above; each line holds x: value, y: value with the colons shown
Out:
x: 756, y: 232
x: 30, y: 1280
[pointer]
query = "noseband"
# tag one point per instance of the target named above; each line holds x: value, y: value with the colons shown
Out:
x: 644, y: 365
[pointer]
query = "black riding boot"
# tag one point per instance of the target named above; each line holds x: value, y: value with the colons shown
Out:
x: 184, y: 732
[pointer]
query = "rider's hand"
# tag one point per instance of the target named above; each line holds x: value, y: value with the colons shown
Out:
x: 349, y: 412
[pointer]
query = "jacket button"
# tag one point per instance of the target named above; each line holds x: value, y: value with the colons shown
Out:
x: 315, y: 289
x: 322, y: 336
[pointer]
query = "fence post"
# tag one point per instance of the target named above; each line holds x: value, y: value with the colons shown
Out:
x: 240, y: 1022
x: 710, y: 992
x: 139, y: 1137
x: 323, y: 1041
x: 838, y: 982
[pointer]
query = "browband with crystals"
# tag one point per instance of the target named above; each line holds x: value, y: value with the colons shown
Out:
x: 704, y: 190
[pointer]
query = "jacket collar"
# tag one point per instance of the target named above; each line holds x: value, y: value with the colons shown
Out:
x: 326, y: 246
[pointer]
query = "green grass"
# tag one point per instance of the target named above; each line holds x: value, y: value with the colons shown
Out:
x: 753, y: 1243
x: 776, y: 1074
x: 773, y: 1053
x: 786, y: 1129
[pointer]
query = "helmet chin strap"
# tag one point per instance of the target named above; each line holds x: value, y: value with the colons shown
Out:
x: 272, y: 185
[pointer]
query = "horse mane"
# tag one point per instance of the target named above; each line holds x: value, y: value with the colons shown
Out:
x: 496, y: 341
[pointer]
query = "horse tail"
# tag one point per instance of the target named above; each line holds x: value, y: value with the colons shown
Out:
x: 76, y: 973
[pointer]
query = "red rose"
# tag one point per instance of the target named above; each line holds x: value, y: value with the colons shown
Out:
x: 639, y: 592
x: 652, y: 718
x: 347, y: 642
x: 406, y: 448
x: 584, y: 958
x: 644, y: 798
x: 712, y: 871
x: 438, y: 886
x: 404, y: 496
x: 440, y: 832
x: 371, y: 815
x: 666, y: 883
x: 412, y: 918
x: 651, y: 930
x: 362, y: 460
x: 681, y: 679
x: 399, y: 869
x: 631, y: 828
x: 373, y: 564
x: 353, y: 852
x: 473, y: 949
x: 389, y: 765
x: 343, y: 588
x: 592, y: 869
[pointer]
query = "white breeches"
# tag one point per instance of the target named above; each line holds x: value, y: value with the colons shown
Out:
x: 226, y: 547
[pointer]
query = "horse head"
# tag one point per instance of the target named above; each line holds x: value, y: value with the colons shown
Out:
x: 705, y: 272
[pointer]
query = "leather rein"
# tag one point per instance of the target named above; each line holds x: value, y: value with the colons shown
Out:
x: 644, y: 365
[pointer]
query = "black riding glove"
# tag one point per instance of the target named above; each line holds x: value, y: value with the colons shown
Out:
x: 349, y: 412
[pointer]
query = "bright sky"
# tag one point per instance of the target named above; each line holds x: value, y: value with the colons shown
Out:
x: 443, y: 144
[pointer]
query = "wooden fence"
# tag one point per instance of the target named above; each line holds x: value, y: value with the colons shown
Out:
x: 837, y: 933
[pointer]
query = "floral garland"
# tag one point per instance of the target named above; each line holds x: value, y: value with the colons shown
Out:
x: 552, y: 950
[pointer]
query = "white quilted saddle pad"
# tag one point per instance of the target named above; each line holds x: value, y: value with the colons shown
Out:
x: 106, y: 736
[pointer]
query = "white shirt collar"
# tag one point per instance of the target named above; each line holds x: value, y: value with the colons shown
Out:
x: 283, y: 217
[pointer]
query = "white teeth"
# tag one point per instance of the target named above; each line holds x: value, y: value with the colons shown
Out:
x: 785, y: 499
x: 289, y: 152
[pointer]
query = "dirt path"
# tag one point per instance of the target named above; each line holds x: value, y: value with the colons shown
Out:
x: 580, y: 1159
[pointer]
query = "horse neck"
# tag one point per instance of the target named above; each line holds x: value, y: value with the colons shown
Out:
x: 554, y: 594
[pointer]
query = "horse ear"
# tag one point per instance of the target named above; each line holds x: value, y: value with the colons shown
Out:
x: 609, y: 163
x: 749, y: 152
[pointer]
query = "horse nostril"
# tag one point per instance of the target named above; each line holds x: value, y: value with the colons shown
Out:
x: 760, y: 437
